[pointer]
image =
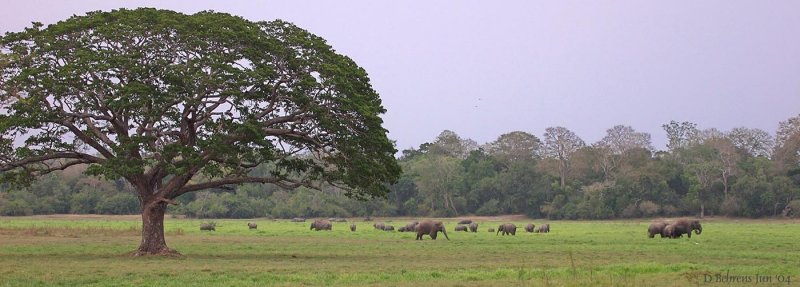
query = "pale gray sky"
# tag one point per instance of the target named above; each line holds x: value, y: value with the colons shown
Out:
x: 483, y: 69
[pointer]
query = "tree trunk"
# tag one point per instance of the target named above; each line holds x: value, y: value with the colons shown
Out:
x: 702, y: 210
x: 153, y: 242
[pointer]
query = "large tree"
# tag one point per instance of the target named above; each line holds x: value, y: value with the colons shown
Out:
x: 618, y: 142
x: 560, y: 144
x: 514, y: 147
x: 177, y: 103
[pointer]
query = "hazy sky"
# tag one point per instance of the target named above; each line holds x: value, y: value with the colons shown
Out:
x: 482, y: 69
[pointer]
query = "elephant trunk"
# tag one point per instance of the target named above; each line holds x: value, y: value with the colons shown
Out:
x: 445, y: 234
x: 698, y: 230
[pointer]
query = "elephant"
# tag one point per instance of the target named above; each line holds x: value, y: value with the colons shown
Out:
x: 461, y: 228
x: 465, y: 221
x: 379, y: 225
x: 491, y: 230
x: 388, y: 228
x: 298, y: 219
x: 545, y: 228
x: 529, y: 227
x: 353, y: 227
x: 252, y: 225
x: 321, y: 224
x: 430, y: 228
x: 669, y: 231
x: 685, y: 226
x: 402, y: 229
x: 656, y: 228
x: 473, y: 227
x: 507, y: 228
x: 411, y: 226
x: 208, y: 227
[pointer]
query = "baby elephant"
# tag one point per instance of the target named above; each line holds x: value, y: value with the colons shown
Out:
x: 388, y: 228
x: 353, y: 227
x: 656, y: 228
x: 252, y: 225
x: 461, y: 228
x: 529, y: 227
x: 473, y: 227
x: 545, y: 228
x: 208, y: 227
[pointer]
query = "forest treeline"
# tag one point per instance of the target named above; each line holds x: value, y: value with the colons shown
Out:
x: 741, y: 172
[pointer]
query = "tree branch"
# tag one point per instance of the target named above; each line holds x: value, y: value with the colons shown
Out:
x: 83, y: 158
x: 238, y: 180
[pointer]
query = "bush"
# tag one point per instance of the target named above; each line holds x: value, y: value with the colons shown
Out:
x: 795, y: 208
x: 648, y: 208
x: 121, y: 203
x: 489, y: 207
x: 731, y: 206
x: 15, y: 208
x: 84, y: 202
x: 669, y: 210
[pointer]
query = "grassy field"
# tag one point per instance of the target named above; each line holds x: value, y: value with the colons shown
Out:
x: 91, y: 251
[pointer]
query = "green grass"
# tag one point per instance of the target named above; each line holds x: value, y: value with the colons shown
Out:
x: 78, y: 251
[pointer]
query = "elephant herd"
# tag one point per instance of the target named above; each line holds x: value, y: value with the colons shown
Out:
x: 674, y: 230
x: 426, y: 227
x: 511, y: 229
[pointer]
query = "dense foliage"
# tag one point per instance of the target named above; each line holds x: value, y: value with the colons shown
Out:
x: 742, y: 172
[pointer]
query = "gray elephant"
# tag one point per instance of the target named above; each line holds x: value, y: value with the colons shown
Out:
x: 252, y: 225
x: 353, y: 227
x: 379, y: 225
x: 545, y: 228
x: 208, y: 227
x: 461, y: 228
x: 430, y: 228
x: 656, y: 228
x: 473, y: 227
x: 685, y: 226
x: 388, y: 228
x: 669, y: 231
x: 465, y: 221
x: 529, y: 227
x: 507, y: 228
x: 411, y: 226
x: 321, y: 224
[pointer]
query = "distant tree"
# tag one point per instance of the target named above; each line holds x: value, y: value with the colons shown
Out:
x: 727, y: 159
x: 754, y: 142
x: 680, y: 135
x: 436, y: 177
x: 177, y: 103
x: 448, y: 143
x: 619, y: 141
x: 787, y: 145
x: 514, y: 146
x: 560, y: 143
